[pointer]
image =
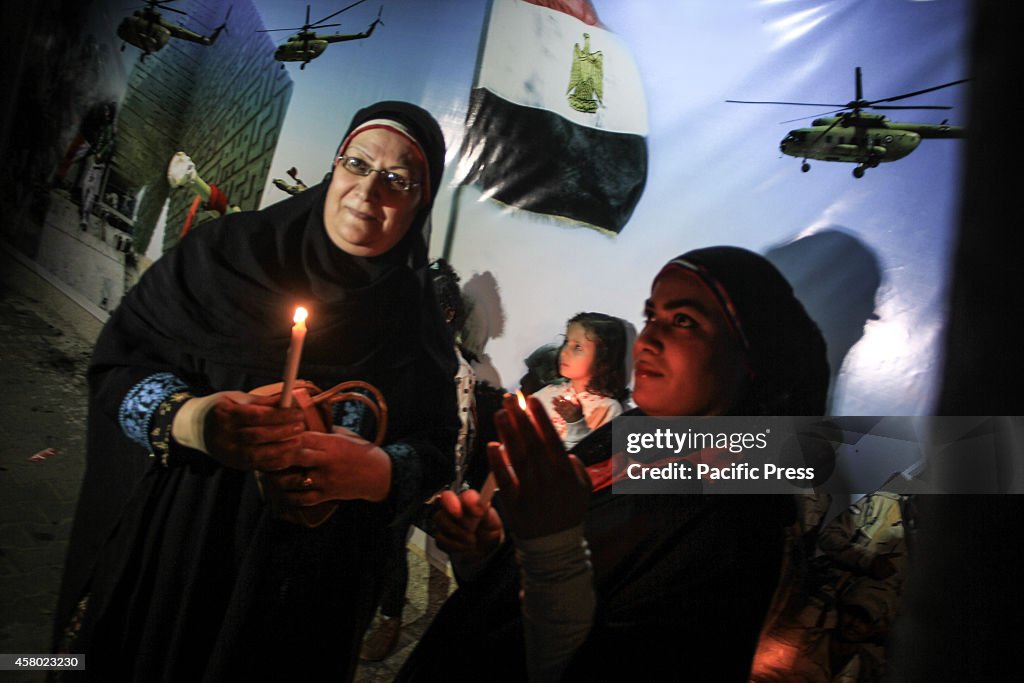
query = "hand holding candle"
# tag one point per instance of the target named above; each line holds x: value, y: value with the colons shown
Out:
x: 490, y: 486
x: 291, y: 366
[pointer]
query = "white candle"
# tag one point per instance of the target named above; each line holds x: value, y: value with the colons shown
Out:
x: 487, y: 491
x: 291, y: 365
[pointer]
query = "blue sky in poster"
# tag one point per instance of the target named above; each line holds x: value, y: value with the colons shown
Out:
x: 425, y: 52
x: 715, y: 175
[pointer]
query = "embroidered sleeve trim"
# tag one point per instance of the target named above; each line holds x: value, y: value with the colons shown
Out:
x: 141, y: 402
x: 160, y: 427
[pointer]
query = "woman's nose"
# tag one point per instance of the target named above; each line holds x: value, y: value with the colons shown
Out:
x: 649, y: 339
x: 369, y: 185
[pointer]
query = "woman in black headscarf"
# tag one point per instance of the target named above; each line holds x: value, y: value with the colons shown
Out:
x: 178, y: 567
x: 682, y: 582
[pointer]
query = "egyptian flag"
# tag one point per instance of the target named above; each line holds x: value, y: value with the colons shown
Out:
x: 557, y: 120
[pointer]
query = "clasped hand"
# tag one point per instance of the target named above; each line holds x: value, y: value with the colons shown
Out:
x: 567, y: 408
x: 542, y: 490
x: 249, y: 432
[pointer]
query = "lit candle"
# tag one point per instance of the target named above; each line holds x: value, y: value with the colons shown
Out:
x: 521, y: 398
x: 291, y: 365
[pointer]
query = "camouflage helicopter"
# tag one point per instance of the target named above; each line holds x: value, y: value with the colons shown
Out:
x: 850, y: 135
x: 306, y: 45
x: 147, y: 30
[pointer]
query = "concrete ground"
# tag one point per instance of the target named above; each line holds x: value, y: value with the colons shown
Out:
x: 45, y: 344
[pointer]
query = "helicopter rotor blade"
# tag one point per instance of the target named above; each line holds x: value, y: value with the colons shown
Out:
x: 918, y: 92
x: 269, y: 30
x: 909, y: 106
x: 162, y: 4
x: 818, y: 115
x: 798, y: 104
x: 826, y: 131
x: 860, y: 103
x: 839, y: 111
x: 357, y: 2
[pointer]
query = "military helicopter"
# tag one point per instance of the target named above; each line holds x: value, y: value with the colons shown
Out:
x: 147, y: 30
x: 306, y: 45
x: 849, y: 135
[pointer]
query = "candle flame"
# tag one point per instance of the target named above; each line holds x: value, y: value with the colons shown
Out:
x: 521, y: 399
x: 300, y: 315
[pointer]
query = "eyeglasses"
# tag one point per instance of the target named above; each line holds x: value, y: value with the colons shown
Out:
x: 396, y: 181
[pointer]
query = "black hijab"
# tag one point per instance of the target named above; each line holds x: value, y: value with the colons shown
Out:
x: 426, y: 132
x: 785, y: 349
x: 226, y: 293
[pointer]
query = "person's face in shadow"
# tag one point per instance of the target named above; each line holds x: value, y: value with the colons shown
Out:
x: 687, y: 360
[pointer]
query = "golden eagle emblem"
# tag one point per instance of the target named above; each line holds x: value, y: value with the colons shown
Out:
x: 586, y: 79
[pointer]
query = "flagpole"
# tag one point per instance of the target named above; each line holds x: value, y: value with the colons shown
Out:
x: 453, y: 213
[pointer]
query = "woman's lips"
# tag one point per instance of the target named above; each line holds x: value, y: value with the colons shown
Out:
x: 363, y: 216
x: 645, y: 370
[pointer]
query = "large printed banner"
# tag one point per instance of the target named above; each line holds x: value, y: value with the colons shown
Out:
x: 589, y: 142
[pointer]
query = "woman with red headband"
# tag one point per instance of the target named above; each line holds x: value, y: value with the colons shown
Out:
x: 179, y: 568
